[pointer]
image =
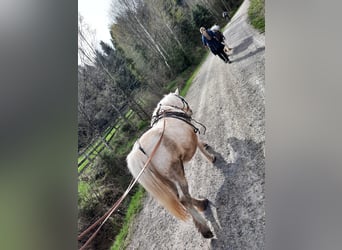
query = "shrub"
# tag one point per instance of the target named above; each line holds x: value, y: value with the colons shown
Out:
x: 256, y: 13
x: 202, y: 17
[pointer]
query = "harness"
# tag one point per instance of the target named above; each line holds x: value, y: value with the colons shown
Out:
x: 173, y: 114
x: 180, y: 115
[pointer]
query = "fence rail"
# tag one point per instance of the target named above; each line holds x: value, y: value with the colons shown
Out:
x: 89, y: 153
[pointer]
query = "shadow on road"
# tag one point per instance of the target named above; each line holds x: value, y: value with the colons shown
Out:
x: 237, y: 214
x: 252, y: 53
x: 243, y: 45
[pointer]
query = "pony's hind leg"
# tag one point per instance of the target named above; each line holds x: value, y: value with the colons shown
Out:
x: 203, y: 148
x: 199, y: 221
x: 190, y: 202
x: 200, y: 204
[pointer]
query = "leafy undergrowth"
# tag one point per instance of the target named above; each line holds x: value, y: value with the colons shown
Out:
x: 256, y: 14
x: 134, y: 207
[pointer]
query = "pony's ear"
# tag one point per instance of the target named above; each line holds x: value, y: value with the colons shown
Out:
x: 177, y: 92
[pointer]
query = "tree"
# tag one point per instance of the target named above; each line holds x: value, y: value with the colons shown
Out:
x: 202, y: 17
x: 105, y: 88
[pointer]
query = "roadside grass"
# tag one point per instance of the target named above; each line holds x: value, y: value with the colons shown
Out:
x: 183, y: 81
x: 133, y: 209
x: 83, y: 192
x: 256, y: 14
x: 188, y: 83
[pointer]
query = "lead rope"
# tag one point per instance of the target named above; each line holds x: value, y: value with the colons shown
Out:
x: 106, y: 216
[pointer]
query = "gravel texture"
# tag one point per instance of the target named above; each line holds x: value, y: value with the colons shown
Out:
x: 229, y: 99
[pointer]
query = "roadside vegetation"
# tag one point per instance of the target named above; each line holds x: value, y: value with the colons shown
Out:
x: 256, y: 14
x: 155, y: 48
x: 133, y: 209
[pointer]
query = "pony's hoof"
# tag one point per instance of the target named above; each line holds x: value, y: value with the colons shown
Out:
x: 205, y: 204
x: 214, y: 159
x: 207, y: 234
x: 206, y: 146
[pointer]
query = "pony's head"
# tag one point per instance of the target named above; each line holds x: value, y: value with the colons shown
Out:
x: 173, y: 102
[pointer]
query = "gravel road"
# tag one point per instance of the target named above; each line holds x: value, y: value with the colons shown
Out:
x: 229, y: 99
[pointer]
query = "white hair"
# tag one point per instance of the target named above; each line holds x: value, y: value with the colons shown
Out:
x: 215, y: 28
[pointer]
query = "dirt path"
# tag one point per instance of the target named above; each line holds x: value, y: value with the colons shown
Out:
x: 230, y: 100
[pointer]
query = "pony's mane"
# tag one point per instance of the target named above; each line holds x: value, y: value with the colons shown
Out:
x: 168, y: 100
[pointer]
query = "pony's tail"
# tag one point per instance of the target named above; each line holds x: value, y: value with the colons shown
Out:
x: 153, y: 182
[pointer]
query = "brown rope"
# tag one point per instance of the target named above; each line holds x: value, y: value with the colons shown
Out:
x: 106, y: 216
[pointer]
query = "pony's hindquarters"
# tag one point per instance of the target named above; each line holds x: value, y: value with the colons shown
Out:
x: 155, y: 184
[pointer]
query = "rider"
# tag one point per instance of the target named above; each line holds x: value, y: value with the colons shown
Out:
x: 212, y: 42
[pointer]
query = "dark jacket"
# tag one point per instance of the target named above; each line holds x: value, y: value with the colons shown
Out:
x: 214, y: 45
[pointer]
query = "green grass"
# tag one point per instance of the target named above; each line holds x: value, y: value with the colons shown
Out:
x: 124, y: 149
x: 133, y: 208
x: 80, y: 159
x: 129, y: 113
x: 189, y: 81
x: 256, y: 14
x: 92, y: 155
x: 83, y: 165
x: 83, y: 190
x: 179, y: 81
x: 110, y: 134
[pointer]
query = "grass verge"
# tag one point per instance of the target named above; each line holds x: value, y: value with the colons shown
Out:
x: 133, y: 208
x: 256, y: 14
x: 189, y: 81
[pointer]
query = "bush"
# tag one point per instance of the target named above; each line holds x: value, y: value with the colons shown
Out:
x: 202, y: 17
x: 127, y: 128
x: 143, y: 124
x: 256, y: 13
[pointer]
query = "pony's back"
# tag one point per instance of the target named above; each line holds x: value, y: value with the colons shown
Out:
x: 155, y: 183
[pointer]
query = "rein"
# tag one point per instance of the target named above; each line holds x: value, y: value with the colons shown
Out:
x: 106, y: 216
